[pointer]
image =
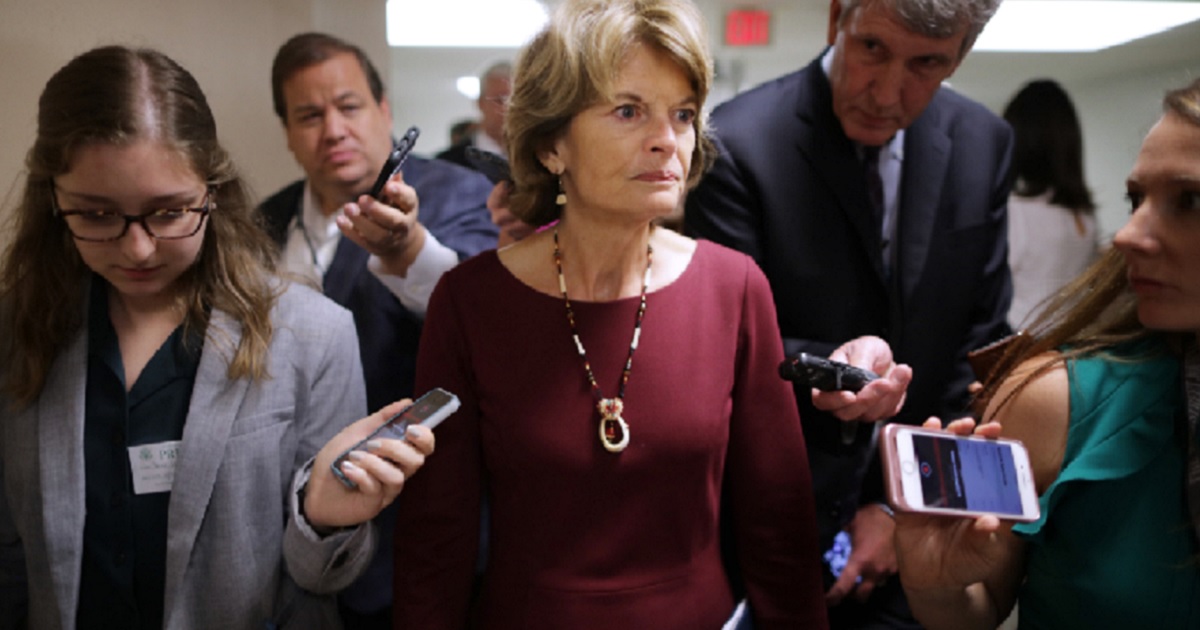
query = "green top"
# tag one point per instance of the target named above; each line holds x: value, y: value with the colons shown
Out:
x: 1114, y: 547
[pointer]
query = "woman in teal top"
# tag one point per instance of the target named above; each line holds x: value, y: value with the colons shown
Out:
x: 1107, y: 551
x: 1099, y: 399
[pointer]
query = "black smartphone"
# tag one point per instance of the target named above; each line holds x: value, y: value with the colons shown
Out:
x: 985, y: 360
x: 428, y: 410
x: 824, y: 374
x: 493, y: 165
x: 395, y: 160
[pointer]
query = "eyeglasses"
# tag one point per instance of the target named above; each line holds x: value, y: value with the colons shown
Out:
x: 498, y: 101
x: 99, y: 226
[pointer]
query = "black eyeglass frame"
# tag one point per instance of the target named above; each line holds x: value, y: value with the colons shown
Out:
x: 140, y: 219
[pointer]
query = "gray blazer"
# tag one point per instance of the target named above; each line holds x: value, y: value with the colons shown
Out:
x: 236, y: 547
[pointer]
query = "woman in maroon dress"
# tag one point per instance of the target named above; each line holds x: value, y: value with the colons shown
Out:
x: 621, y: 405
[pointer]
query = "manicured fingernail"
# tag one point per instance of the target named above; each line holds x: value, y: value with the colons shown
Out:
x: 373, y: 445
x: 349, y: 467
x: 354, y: 455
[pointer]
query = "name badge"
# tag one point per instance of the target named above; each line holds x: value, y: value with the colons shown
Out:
x: 153, y: 466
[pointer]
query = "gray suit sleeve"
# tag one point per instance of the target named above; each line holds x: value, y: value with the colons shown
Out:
x: 337, y: 397
x: 323, y: 564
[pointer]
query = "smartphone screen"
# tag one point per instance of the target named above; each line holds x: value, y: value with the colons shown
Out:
x: 939, y: 472
x: 971, y: 475
x: 836, y: 558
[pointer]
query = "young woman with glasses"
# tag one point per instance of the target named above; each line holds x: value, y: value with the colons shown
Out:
x: 163, y: 393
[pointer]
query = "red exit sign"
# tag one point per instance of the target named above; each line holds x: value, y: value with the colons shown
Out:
x: 748, y: 27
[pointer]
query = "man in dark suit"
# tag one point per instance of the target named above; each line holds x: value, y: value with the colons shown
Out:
x: 380, y: 260
x: 874, y: 199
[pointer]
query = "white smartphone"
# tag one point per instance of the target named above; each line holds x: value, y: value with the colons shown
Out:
x: 935, y: 472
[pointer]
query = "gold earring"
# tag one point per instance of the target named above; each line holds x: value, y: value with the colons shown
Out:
x: 561, y: 199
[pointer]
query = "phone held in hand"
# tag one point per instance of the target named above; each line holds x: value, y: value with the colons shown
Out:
x: 395, y: 160
x: 985, y: 360
x: 935, y: 472
x: 824, y: 374
x: 493, y: 165
x: 428, y: 410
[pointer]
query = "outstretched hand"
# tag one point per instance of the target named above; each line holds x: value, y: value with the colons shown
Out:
x: 882, y: 398
x: 388, y: 230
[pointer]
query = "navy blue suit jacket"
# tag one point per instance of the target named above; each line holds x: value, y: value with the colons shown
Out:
x: 789, y: 190
x: 453, y: 207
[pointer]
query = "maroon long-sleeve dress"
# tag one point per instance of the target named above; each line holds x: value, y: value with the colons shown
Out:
x: 583, y: 538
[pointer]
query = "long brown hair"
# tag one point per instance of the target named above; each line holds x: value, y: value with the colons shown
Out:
x: 118, y: 95
x: 1048, y: 146
x: 1094, y: 312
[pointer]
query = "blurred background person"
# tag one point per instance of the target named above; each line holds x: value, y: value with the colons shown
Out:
x: 164, y: 393
x: 378, y: 259
x: 1051, y: 217
x: 610, y: 474
x: 461, y: 131
x: 1106, y: 399
x: 495, y: 88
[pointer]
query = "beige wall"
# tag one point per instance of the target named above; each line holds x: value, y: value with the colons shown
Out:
x: 226, y: 44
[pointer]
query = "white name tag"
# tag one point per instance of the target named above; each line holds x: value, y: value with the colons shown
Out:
x: 153, y: 466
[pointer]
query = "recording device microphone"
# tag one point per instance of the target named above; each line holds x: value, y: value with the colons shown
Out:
x: 828, y: 376
x: 824, y: 374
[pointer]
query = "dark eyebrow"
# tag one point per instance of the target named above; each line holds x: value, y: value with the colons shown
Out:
x: 178, y: 199
x: 306, y: 108
x: 630, y: 96
x: 348, y: 96
x: 938, y: 58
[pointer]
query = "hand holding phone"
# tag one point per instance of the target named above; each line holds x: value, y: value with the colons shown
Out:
x: 395, y: 160
x: 493, y: 165
x: 936, y: 472
x: 429, y: 410
x: 824, y: 374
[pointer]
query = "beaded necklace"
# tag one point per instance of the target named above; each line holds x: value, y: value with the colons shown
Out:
x: 614, y: 431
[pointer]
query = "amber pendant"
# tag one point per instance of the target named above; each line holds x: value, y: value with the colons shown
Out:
x: 614, y: 432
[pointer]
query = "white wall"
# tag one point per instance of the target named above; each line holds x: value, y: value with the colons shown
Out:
x: 1117, y: 91
x: 227, y: 44
x: 1117, y: 113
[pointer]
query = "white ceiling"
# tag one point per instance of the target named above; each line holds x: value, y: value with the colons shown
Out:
x: 422, y: 79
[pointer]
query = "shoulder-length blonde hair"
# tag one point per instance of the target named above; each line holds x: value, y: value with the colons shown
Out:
x: 118, y: 95
x: 573, y: 64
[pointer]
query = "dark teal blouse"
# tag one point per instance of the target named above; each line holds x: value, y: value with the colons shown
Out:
x: 1115, y: 547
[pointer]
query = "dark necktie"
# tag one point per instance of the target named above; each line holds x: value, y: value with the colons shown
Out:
x: 874, y: 183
